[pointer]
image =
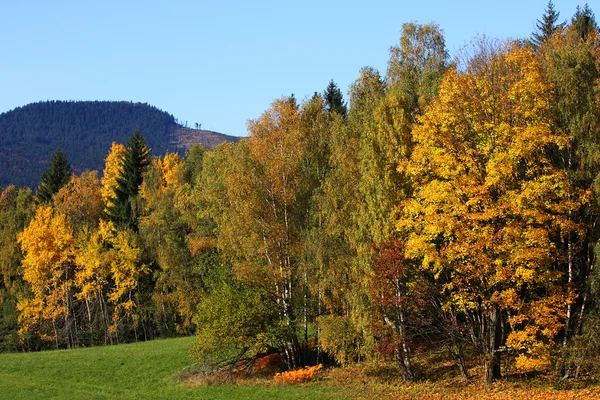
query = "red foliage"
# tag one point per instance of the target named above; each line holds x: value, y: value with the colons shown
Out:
x: 272, y: 362
x: 396, y: 279
x: 400, y: 293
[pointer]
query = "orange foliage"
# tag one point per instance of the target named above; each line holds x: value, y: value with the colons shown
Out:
x: 272, y: 362
x: 297, y: 375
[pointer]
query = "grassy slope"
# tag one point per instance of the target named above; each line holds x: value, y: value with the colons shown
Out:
x: 132, y: 371
x: 144, y: 371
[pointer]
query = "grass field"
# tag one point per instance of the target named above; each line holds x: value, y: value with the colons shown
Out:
x: 130, y: 371
x: 145, y: 371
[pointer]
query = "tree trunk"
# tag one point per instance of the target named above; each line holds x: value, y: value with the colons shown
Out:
x: 569, y: 288
x: 407, y: 370
x: 460, y: 361
x: 492, y: 339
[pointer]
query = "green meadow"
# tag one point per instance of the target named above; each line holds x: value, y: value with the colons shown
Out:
x: 130, y: 371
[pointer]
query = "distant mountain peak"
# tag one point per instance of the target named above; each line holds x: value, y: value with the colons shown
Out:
x: 84, y: 130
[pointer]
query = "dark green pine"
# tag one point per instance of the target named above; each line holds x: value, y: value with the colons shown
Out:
x: 547, y: 25
x: 123, y: 210
x: 56, y: 176
x: 334, y: 101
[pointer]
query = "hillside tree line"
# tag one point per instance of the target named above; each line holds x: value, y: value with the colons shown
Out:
x: 448, y: 204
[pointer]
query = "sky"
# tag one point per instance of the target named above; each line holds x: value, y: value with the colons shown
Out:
x: 220, y: 63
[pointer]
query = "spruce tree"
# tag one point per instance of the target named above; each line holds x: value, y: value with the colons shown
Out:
x: 123, y: 207
x: 56, y: 176
x: 546, y: 26
x: 334, y: 101
x: 584, y: 21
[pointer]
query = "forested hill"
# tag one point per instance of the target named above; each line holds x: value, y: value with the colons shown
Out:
x: 84, y: 130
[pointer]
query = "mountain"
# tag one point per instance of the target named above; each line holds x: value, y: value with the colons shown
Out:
x: 84, y: 130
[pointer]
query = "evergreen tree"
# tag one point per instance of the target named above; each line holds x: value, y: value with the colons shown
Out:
x: 122, y: 209
x: 546, y: 26
x: 584, y: 21
x: 56, y: 176
x: 334, y: 101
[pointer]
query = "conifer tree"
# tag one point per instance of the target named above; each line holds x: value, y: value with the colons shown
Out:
x: 56, y: 176
x: 584, y: 21
x: 334, y: 101
x: 546, y: 26
x: 122, y: 209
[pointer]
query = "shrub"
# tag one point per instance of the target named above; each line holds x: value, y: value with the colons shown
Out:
x: 297, y: 375
x: 342, y: 339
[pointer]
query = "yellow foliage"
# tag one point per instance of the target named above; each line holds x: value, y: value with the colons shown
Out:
x: 172, y: 169
x: 91, y: 274
x: 80, y: 200
x: 125, y: 270
x: 112, y: 171
x: 488, y: 200
x: 48, y: 245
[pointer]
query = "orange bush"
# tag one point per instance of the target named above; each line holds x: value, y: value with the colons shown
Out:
x: 270, y: 363
x: 297, y: 375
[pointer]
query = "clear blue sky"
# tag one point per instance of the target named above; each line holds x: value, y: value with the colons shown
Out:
x: 220, y: 62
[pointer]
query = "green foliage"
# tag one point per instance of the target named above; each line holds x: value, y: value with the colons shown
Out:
x: 178, y: 238
x: 16, y: 210
x: 234, y: 322
x: 193, y: 163
x: 124, y: 208
x: 417, y: 65
x: 343, y: 340
x: 334, y: 100
x: 56, y: 176
x: 584, y: 22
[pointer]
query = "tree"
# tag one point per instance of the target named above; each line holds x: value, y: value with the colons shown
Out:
x: 193, y: 164
x: 81, y: 200
x: 126, y: 271
x: 277, y: 146
x: 399, y: 292
x: 112, y: 171
x: 256, y: 187
x: 172, y: 228
x: 123, y: 209
x: 572, y: 66
x: 334, y: 101
x: 348, y: 242
x: 584, y: 22
x: 56, y: 176
x: 546, y: 26
x: 93, y: 281
x: 48, y: 267
x: 417, y: 65
x: 487, y: 203
x: 16, y: 210
x: 236, y: 324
